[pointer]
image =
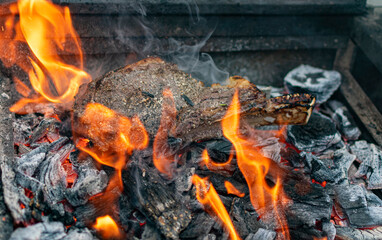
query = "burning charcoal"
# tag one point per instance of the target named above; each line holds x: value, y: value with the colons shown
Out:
x: 294, y: 159
x: 22, y: 128
x: 363, y: 208
x: 318, y: 82
x: 347, y: 233
x: 156, y: 200
x: 207, y: 237
x: 90, y: 181
x: 45, y: 126
x: 329, y: 229
x: 79, y: 234
x: 262, y: 234
x: 244, y: 216
x: 183, y: 181
x: 370, y: 157
x: 311, y: 202
x: 150, y: 233
x: 317, y: 135
x: 41, y: 231
x: 54, y: 146
x: 28, y: 163
x: 201, y: 224
x: 271, y: 149
x: 23, y: 149
x: 344, y: 121
x: 53, y: 175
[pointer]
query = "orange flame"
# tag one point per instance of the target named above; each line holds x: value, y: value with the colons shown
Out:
x: 161, y: 153
x: 114, y: 136
x: 207, y: 195
x: 107, y: 227
x: 231, y: 189
x: 255, y: 168
x: 214, y: 166
x: 47, y: 30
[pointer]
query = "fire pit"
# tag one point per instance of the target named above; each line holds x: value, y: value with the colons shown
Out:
x: 114, y: 125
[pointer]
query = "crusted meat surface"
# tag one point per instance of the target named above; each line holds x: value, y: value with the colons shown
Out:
x: 137, y: 90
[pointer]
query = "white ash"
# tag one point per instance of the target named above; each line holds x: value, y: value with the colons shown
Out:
x: 262, y: 234
x: 307, y: 79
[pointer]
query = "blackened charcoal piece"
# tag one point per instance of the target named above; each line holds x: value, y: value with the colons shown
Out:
x: 344, y: 120
x: 28, y: 163
x: 150, y: 233
x: 244, y: 216
x: 22, y: 128
x: 90, y: 181
x: 41, y: 231
x: 53, y: 175
x: 317, y: 135
x: 262, y: 234
x: 45, y: 126
x: 293, y: 158
x: 201, y: 224
x: 311, y: 202
x: 183, y: 181
x: 348, y: 233
x: 156, y: 200
x: 54, y: 146
x: 362, y: 207
x: 370, y: 157
x: 318, y: 82
x: 207, y: 237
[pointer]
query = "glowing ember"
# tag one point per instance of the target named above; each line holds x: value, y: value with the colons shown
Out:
x: 256, y: 169
x: 47, y: 30
x: 161, y: 156
x: 111, y: 150
x: 107, y: 227
x: 231, y: 189
x: 207, y: 195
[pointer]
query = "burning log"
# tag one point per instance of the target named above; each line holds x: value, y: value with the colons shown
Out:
x: 136, y: 90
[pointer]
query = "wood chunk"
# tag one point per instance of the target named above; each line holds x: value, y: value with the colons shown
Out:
x: 125, y: 91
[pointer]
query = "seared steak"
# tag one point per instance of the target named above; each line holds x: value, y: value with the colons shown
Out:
x: 137, y: 89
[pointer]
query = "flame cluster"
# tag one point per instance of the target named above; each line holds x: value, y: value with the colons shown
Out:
x: 34, y: 44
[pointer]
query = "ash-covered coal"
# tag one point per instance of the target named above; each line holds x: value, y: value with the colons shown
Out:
x: 317, y: 135
x: 318, y: 82
x: 343, y: 120
x: 370, y: 157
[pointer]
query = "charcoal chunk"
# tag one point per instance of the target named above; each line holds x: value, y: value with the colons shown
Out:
x: 201, y: 224
x: 362, y: 208
x: 344, y: 121
x: 90, y: 181
x: 41, y: 231
x: 370, y: 156
x: 262, y: 234
x: 317, y: 135
x: 316, y: 81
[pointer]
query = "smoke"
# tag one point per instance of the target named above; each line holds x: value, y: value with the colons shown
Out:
x: 136, y: 34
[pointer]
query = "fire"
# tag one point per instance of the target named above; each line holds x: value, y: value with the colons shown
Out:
x: 231, y: 189
x: 207, y: 195
x: 213, y: 166
x: 162, y: 157
x: 115, y: 136
x: 48, y: 32
x: 107, y: 227
x: 255, y: 168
